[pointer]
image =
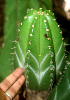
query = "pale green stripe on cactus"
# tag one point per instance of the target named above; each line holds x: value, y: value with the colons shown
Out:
x: 40, y: 50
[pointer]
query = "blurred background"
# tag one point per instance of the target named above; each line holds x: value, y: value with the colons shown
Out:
x: 2, y: 7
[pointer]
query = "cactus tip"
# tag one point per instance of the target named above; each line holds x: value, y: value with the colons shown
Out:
x: 29, y: 51
x: 28, y: 9
x: 18, y: 30
x: 35, y: 17
x: 12, y: 53
x: 38, y: 13
x: 42, y: 13
x: 62, y: 38
x: 40, y: 8
x: 30, y: 43
x: 14, y: 47
x: 21, y: 24
x: 45, y: 21
x: 58, y: 83
x: 51, y: 54
x: 32, y: 25
x: 54, y: 19
x: 53, y: 13
x: 9, y: 59
x: 49, y: 47
x: 33, y: 12
x: 51, y: 62
x: 11, y: 48
x: 12, y: 58
x: 47, y: 29
x: 58, y: 25
x: 48, y: 39
x: 26, y: 76
x: 68, y: 63
x: 25, y: 17
x: 47, y: 14
x: 14, y: 41
x: 12, y: 63
x: 31, y: 8
x: 51, y: 74
x: 61, y: 32
x: 65, y: 67
x: 63, y: 71
x: 31, y: 35
x: 28, y: 57
x: 51, y: 80
x: 60, y: 73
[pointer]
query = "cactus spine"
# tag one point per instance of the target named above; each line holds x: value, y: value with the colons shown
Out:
x: 40, y: 50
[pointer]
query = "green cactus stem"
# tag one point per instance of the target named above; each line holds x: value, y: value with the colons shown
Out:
x: 40, y: 50
x: 62, y: 90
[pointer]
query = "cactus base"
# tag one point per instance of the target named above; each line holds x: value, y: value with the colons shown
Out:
x: 36, y: 95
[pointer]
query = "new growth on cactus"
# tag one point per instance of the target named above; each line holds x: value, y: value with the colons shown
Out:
x: 40, y: 50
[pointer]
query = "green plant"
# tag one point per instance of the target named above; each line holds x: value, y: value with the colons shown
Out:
x: 62, y: 90
x: 38, y: 41
x: 40, y: 50
x: 14, y: 13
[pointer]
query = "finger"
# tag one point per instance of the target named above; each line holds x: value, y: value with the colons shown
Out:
x: 16, y: 97
x: 16, y: 86
x: 7, y: 82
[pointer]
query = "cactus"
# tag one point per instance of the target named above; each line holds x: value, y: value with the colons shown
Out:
x: 40, y: 50
x: 13, y: 17
x: 62, y: 90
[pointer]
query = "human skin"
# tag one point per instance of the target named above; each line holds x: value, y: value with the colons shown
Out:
x: 13, y: 83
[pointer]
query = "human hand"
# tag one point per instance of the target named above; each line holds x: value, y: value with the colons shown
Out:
x: 11, y: 84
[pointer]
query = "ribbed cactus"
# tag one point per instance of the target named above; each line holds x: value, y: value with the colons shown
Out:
x: 12, y: 19
x: 40, y: 50
x: 62, y: 90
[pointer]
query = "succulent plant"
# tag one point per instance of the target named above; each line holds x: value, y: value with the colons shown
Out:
x: 40, y: 50
x: 14, y: 15
x: 62, y: 90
